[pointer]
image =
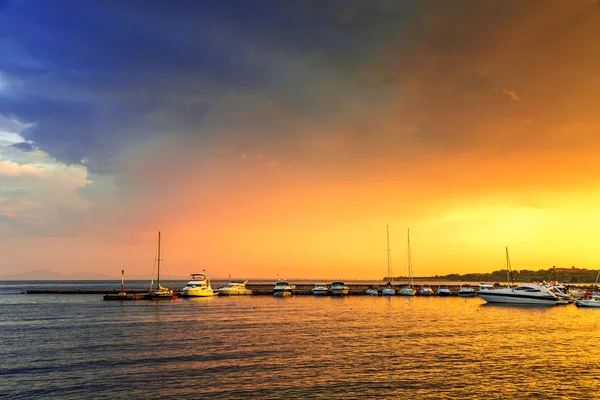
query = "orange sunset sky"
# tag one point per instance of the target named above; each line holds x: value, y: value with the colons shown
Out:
x: 271, y: 139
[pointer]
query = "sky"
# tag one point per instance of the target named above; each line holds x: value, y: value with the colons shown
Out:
x: 273, y: 139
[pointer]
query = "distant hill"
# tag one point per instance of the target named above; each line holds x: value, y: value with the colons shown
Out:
x: 46, y: 275
x: 564, y: 275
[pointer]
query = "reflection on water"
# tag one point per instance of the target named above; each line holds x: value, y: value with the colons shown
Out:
x: 298, y: 347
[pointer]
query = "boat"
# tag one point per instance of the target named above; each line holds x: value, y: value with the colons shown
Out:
x: 282, y: 289
x: 159, y: 293
x: 466, y: 290
x: 338, y: 289
x: 443, y: 291
x: 486, y: 286
x: 529, y: 293
x: 320, y: 289
x: 235, y: 288
x: 388, y: 289
x: 198, y: 286
x: 588, y: 300
x: 408, y: 290
x: 425, y: 291
x: 372, y: 292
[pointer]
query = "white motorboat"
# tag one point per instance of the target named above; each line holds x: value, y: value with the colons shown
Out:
x: 425, y: 291
x: 235, y: 288
x: 372, y: 292
x: 466, y: 290
x: 530, y: 293
x: 282, y: 289
x: 443, y: 291
x: 388, y: 290
x: 198, y: 286
x: 408, y: 289
x: 587, y: 301
x: 320, y: 289
x: 338, y: 289
x: 486, y: 286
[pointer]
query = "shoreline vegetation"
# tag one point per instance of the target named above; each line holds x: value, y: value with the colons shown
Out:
x: 564, y: 275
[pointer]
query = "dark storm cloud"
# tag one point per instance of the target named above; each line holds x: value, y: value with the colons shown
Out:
x: 97, y: 77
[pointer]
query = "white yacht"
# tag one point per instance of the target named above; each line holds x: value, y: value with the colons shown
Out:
x: 443, y: 291
x: 282, y: 289
x: 466, y: 291
x: 372, y: 292
x: 235, y: 288
x: 338, y: 289
x: 425, y: 291
x: 486, y: 286
x: 406, y: 291
x: 588, y: 301
x: 388, y: 290
x: 530, y: 293
x: 320, y: 289
x: 198, y: 286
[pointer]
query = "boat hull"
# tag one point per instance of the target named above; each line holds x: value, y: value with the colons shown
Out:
x: 406, y: 292
x: 282, y: 293
x: 200, y: 292
x: 320, y: 292
x: 587, y: 303
x: 234, y: 292
x: 388, y: 292
x: 339, y: 292
x: 498, y: 298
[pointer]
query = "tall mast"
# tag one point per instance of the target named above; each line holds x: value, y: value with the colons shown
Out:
x: 390, y: 278
x: 509, y: 269
x: 410, y: 282
x: 158, y: 277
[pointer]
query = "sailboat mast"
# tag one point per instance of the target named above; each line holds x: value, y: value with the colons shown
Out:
x: 509, y: 269
x: 158, y: 275
x: 410, y: 281
x: 389, y: 260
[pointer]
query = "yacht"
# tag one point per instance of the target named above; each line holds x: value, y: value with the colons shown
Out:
x: 198, y: 286
x: 320, y: 289
x: 372, y: 292
x: 530, y: 293
x: 235, y: 288
x: 466, y: 291
x: 406, y: 291
x: 486, y: 286
x: 425, y: 291
x: 282, y: 289
x: 588, y: 300
x: 388, y: 289
x: 443, y: 291
x: 338, y: 289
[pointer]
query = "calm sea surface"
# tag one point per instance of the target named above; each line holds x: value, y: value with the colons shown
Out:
x: 78, y: 346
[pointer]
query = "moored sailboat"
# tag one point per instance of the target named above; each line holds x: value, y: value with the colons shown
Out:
x: 388, y: 289
x: 160, y: 293
x: 408, y: 290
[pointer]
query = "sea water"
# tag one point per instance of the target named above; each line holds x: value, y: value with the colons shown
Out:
x: 79, y: 346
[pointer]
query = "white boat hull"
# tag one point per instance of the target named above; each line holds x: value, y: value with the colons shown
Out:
x: 320, y: 292
x: 198, y: 292
x: 388, y: 292
x: 234, y: 292
x: 503, y: 299
x: 587, y: 303
x: 406, y: 292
